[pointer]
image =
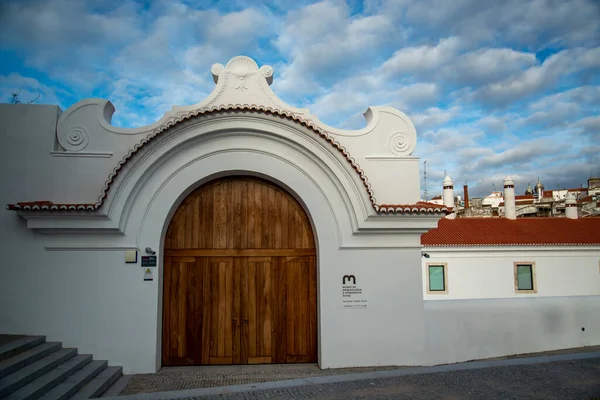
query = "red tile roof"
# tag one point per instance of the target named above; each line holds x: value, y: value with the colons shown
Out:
x: 418, y: 208
x: 518, y: 232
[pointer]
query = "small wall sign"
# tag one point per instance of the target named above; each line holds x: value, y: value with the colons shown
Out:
x: 148, y: 275
x: 352, y: 293
x: 131, y: 257
x: 148, y: 261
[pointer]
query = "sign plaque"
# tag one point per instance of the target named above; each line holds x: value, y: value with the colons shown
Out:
x: 148, y: 261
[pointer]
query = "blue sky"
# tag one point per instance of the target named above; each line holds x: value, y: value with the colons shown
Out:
x: 494, y: 87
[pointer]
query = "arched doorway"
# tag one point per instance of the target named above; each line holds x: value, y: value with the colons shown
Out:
x: 239, y: 282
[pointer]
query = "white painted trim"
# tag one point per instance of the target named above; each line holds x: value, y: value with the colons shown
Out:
x: 502, y: 250
x: 75, y: 247
x: 94, y: 154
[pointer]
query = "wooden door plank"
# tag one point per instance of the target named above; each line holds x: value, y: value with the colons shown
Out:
x: 207, y: 309
x: 267, y: 302
x: 282, y: 301
x: 251, y: 209
x: 272, y: 218
x: 195, y: 317
x: 259, y: 360
x: 312, y: 318
x: 195, y: 223
x: 265, y: 216
x: 283, y: 217
x: 291, y: 303
x: 229, y: 306
x: 167, y: 330
x: 237, y: 304
x: 251, y: 309
x: 259, y: 216
x: 221, y: 334
x: 244, y: 285
x: 187, y: 259
x: 238, y: 252
x: 230, y: 204
x: 213, y: 324
x: 278, y: 221
x: 258, y: 313
x: 236, y: 205
x: 303, y: 304
x: 180, y: 243
x: 181, y: 312
x: 243, y: 215
x: 221, y: 360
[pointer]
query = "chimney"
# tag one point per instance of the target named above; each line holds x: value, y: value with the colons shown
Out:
x: 510, y: 208
x: 571, y: 206
x: 466, y: 190
x: 448, y: 192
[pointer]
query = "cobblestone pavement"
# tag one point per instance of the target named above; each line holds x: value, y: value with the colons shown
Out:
x: 183, y: 378
x: 577, y: 380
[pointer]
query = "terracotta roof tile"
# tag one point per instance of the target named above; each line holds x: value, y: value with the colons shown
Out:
x: 518, y: 232
x: 525, y: 197
x: 420, y: 207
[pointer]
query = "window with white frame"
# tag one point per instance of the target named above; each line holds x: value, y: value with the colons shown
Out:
x: 524, y: 272
x: 437, y: 278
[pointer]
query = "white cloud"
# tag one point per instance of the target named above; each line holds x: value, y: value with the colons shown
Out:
x: 28, y: 89
x: 421, y: 59
x: 433, y: 117
x: 487, y: 65
x: 590, y: 126
x: 323, y: 44
x: 535, y: 24
x: 535, y: 79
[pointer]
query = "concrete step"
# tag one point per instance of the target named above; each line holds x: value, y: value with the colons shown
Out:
x: 75, y: 382
x: 99, y: 384
x: 27, y: 357
x: 36, y: 388
x: 17, y: 346
x: 23, y: 376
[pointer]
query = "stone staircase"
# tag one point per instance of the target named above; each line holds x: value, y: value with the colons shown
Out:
x: 31, y: 368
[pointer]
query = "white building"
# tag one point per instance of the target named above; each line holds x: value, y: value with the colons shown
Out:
x: 238, y: 230
x: 493, y: 200
x: 533, y: 283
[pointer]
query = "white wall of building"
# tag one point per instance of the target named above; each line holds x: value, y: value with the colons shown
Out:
x: 481, y: 316
x: 488, y: 273
x: 462, y: 330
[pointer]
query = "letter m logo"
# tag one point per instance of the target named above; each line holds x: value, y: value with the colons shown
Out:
x: 349, y: 278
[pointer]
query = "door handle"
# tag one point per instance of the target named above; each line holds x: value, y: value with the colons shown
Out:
x: 245, y: 320
x: 234, y: 321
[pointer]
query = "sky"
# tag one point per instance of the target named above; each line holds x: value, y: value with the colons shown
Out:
x: 494, y: 87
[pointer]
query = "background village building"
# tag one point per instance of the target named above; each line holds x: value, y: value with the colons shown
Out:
x: 294, y: 241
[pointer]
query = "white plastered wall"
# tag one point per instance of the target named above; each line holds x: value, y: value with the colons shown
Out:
x: 481, y: 316
x: 488, y: 273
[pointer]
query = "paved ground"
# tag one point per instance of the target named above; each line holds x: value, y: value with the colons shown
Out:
x: 183, y: 378
x: 561, y: 381
x: 561, y: 376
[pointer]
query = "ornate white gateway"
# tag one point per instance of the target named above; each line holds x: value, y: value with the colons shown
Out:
x: 93, y: 196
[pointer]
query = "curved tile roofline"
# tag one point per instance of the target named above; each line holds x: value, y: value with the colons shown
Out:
x: 419, y: 208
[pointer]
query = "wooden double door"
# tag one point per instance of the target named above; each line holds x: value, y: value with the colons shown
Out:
x: 239, y: 277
